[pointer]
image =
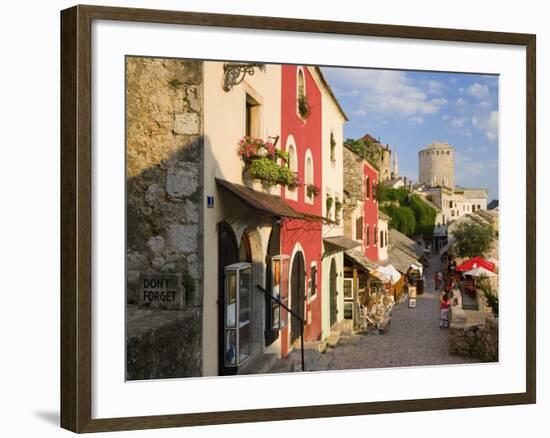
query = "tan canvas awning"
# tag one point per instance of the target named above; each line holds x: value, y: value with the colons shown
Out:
x: 341, y: 242
x: 360, y: 259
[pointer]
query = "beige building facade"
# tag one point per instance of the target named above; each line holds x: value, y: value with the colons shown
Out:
x: 333, y: 119
x: 227, y: 118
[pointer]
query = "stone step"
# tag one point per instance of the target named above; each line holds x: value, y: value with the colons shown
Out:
x: 349, y: 340
x: 347, y: 327
x: 261, y: 364
x: 319, y: 346
x: 332, y: 341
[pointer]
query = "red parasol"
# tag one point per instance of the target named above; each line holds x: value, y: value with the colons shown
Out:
x: 474, y: 263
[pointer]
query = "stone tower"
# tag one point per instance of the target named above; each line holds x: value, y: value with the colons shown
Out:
x: 395, y: 173
x: 436, y: 165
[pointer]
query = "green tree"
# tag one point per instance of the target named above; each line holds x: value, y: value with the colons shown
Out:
x: 410, y: 214
x: 388, y: 194
x: 490, y: 294
x: 425, y: 216
x: 473, y: 239
x: 402, y: 219
x: 370, y: 151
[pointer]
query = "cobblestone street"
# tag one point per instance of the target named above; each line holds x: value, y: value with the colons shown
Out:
x: 414, y: 338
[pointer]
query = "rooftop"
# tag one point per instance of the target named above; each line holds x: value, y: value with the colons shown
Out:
x: 438, y: 145
x: 405, y: 243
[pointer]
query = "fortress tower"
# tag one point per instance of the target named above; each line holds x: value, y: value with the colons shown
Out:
x: 436, y: 165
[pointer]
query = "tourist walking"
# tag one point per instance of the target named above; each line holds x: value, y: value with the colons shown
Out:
x: 438, y: 279
x: 444, y: 305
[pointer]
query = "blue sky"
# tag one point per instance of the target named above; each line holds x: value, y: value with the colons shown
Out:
x: 410, y: 109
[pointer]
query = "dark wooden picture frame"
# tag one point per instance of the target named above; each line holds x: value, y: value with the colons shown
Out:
x: 76, y: 217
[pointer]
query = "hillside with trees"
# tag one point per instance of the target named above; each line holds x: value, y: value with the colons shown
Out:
x: 409, y: 214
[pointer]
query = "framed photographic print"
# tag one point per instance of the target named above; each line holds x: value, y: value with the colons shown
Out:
x: 251, y: 206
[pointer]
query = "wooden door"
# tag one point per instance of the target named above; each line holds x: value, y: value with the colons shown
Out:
x: 333, y: 293
x: 297, y: 294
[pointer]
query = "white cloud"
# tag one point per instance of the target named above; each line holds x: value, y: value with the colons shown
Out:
x: 467, y: 167
x: 345, y: 93
x: 389, y: 92
x: 417, y: 120
x: 460, y: 101
x: 484, y: 104
x: 458, y: 122
x: 479, y: 91
x: 488, y: 124
x: 434, y: 87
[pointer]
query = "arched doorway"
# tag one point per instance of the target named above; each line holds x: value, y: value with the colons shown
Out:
x: 333, y: 293
x: 297, y: 293
x: 228, y: 253
x: 273, y: 249
x: 245, y: 253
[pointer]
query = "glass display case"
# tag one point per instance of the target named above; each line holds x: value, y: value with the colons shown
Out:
x: 279, y: 290
x: 238, y: 287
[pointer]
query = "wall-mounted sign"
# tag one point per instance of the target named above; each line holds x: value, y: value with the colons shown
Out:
x: 162, y: 291
x: 210, y: 201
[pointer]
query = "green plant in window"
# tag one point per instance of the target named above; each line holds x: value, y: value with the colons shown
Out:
x: 312, y: 190
x: 329, y: 201
x: 269, y: 172
x: 337, y: 208
x: 304, y: 108
x: 261, y: 161
x: 332, y: 147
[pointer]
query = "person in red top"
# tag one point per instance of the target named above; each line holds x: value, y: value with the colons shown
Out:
x: 444, y: 306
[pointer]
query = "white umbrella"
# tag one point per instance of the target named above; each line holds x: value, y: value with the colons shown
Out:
x: 480, y: 272
x: 391, y: 272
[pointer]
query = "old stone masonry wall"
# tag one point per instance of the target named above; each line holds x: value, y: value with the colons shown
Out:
x: 478, y: 340
x: 164, y: 147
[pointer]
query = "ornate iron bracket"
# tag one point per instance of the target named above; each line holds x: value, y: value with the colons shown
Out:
x: 234, y: 73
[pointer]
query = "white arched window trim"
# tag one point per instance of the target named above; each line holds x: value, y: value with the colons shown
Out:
x: 300, y: 70
x: 290, y: 146
x: 308, y: 175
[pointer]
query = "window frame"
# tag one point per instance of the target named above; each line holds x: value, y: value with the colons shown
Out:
x: 283, y: 296
x: 238, y: 325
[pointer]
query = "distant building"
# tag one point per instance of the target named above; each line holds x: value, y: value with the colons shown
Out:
x: 384, y: 164
x: 394, y: 183
x: 455, y: 203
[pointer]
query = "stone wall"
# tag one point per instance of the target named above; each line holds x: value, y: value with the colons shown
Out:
x: 165, y: 190
x: 163, y: 344
x: 353, y: 175
x: 473, y: 338
x: 385, y: 164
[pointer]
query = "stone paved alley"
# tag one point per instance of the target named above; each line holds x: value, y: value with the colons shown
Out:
x: 414, y: 338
